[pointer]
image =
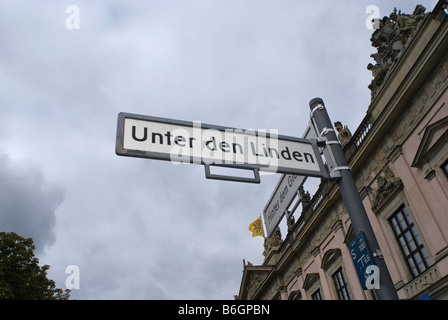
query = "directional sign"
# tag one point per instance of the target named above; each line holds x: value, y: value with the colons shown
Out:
x: 280, y: 200
x: 362, y: 257
x: 198, y: 143
x: 284, y: 193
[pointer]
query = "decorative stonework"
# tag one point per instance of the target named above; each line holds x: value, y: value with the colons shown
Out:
x: 290, y: 222
x: 423, y: 282
x: 310, y: 279
x: 344, y: 134
x: 412, y: 114
x: 386, y: 187
x: 305, y: 197
x: 256, y: 278
x: 427, y: 144
x: 273, y: 242
x: 390, y: 38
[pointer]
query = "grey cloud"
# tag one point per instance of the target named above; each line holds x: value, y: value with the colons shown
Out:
x: 27, y: 203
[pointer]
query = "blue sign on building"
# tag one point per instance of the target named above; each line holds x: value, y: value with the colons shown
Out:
x: 362, y: 258
x: 425, y: 297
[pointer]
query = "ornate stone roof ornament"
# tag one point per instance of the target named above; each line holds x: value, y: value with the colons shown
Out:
x: 305, y: 197
x: 393, y: 34
x: 273, y: 242
x: 290, y: 222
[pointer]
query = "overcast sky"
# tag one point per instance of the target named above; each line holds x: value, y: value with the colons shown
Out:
x: 146, y: 229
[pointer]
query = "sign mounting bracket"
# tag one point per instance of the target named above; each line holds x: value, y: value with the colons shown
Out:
x: 256, y: 179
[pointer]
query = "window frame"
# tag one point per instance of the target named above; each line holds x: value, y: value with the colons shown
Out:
x: 316, y: 295
x: 332, y: 263
x: 444, y: 168
x: 409, y: 241
x: 341, y: 284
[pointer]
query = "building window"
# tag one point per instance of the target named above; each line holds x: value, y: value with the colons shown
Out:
x: 295, y: 295
x: 341, y: 285
x: 316, y: 295
x: 445, y: 168
x: 410, y: 242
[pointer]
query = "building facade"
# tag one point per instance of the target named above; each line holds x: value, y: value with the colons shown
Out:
x: 399, y: 158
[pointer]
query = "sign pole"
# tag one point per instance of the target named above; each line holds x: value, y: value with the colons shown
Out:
x: 349, y: 192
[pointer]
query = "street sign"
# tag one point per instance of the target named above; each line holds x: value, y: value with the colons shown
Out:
x: 284, y: 193
x: 362, y: 257
x: 425, y: 297
x: 198, y: 143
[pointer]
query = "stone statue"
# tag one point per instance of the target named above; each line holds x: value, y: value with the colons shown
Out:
x: 290, y: 222
x: 386, y: 184
x: 391, y: 179
x: 305, y: 197
x: 406, y: 24
x: 344, y: 134
x: 274, y: 241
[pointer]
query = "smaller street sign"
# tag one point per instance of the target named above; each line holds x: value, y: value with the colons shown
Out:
x: 362, y: 257
x: 281, y: 199
x: 284, y: 193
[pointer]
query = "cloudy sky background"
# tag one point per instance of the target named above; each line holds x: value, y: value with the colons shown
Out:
x: 145, y: 229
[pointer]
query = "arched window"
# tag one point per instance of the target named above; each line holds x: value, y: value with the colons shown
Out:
x: 332, y: 264
x: 295, y: 295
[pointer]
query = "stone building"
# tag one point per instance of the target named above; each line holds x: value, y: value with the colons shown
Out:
x: 399, y: 158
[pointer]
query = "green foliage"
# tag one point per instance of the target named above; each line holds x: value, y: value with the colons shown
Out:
x: 21, y: 277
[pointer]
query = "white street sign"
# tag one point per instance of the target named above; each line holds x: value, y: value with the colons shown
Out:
x: 280, y: 201
x: 284, y: 193
x: 198, y: 143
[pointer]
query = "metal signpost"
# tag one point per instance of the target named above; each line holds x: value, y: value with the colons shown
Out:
x: 339, y: 169
x: 297, y: 158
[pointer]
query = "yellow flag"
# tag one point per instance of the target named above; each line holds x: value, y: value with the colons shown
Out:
x: 257, y: 228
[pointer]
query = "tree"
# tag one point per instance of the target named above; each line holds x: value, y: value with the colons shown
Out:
x: 21, y: 277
